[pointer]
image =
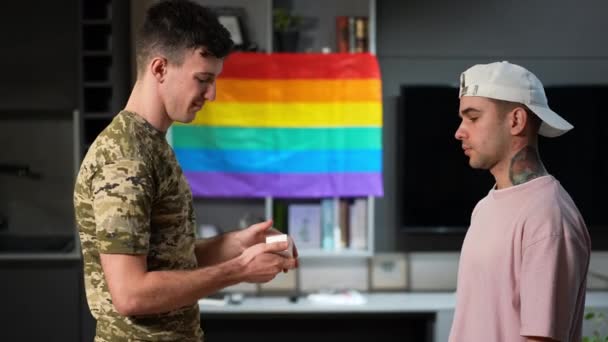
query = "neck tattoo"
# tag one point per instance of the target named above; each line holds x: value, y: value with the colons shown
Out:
x: 525, y: 166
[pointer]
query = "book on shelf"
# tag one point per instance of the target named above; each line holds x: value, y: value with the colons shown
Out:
x: 332, y: 224
x: 328, y: 222
x: 279, y: 215
x: 305, y: 225
x: 352, y: 34
x: 342, y: 34
x: 344, y: 222
x: 361, y: 34
x: 358, y: 224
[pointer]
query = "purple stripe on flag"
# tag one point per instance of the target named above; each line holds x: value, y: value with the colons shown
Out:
x: 218, y: 184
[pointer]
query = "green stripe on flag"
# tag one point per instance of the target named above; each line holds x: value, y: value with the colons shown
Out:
x: 241, y: 138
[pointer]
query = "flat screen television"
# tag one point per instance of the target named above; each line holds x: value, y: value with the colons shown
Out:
x: 437, y: 190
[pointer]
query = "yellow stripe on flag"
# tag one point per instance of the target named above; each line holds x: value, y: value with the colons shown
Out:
x: 260, y: 90
x: 297, y: 114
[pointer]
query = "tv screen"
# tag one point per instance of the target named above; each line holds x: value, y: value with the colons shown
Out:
x: 437, y: 188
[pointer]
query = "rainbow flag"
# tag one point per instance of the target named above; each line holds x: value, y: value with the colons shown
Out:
x: 287, y: 125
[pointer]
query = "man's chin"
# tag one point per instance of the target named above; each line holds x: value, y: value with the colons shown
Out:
x: 186, y: 119
x: 478, y: 165
x: 191, y: 115
x: 475, y: 164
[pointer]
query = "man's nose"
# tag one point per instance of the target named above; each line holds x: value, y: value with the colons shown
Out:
x: 459, y: 133
x: 210, y: 92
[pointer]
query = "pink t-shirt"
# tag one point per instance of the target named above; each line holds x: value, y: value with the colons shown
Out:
x: 523, y: 266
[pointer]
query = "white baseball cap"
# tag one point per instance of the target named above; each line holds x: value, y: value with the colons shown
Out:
x: 510, y: 82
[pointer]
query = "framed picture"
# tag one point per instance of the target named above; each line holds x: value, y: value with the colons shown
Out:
x: 233, y: 19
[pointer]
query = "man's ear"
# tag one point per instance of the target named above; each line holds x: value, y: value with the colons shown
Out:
x: 518, y: 118
x: 158, y: 68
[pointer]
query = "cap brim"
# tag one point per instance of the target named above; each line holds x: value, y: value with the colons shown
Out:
x: 553, y: 125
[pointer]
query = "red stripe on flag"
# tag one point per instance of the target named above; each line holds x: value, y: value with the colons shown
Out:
x: 242, y: 65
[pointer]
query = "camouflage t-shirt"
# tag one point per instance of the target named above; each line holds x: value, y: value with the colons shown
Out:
x: 131, y: 197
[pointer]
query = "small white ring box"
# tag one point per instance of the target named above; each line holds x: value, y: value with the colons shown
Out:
x: 288, y: 253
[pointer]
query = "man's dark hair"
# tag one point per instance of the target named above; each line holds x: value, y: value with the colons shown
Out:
x: 506, y: 106
x: 171, y: 27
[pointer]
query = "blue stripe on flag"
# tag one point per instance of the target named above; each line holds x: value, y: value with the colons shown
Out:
x: 283, y: 161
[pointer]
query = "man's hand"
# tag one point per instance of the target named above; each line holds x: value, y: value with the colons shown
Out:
x: 261, y: 264
x: 256, y: 234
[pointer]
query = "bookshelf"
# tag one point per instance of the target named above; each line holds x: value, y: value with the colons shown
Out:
x: 318, y: 20
x: 347, y: 239
x: 318, y: 32
x: 104, y: 65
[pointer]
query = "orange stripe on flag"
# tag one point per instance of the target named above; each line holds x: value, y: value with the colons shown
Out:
x: 341, y: 90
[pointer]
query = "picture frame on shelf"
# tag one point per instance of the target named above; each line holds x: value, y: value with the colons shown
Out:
x: 233, y: 19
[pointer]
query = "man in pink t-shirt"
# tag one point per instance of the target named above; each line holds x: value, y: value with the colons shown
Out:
x: 524, y: 260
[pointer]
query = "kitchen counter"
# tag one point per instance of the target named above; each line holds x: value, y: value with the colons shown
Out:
x: 376, y: 302
x: 14, y: 247
x: 440, y: 305
x: 434, y: 310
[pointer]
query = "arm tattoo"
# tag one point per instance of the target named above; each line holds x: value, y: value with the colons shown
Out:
x: 525, y: 166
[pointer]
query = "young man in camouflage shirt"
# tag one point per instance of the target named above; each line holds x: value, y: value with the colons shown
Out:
x: 144, y: 270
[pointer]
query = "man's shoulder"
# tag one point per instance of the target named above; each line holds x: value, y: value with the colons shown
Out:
x: 122, y: 139
x: 551, y: 198
x: 552, y: 212
x: 117, y: 142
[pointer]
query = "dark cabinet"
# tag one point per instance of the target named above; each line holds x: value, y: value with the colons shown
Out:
x: 41, y: 300
x: 39, y: 56
x: 319, y: 327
